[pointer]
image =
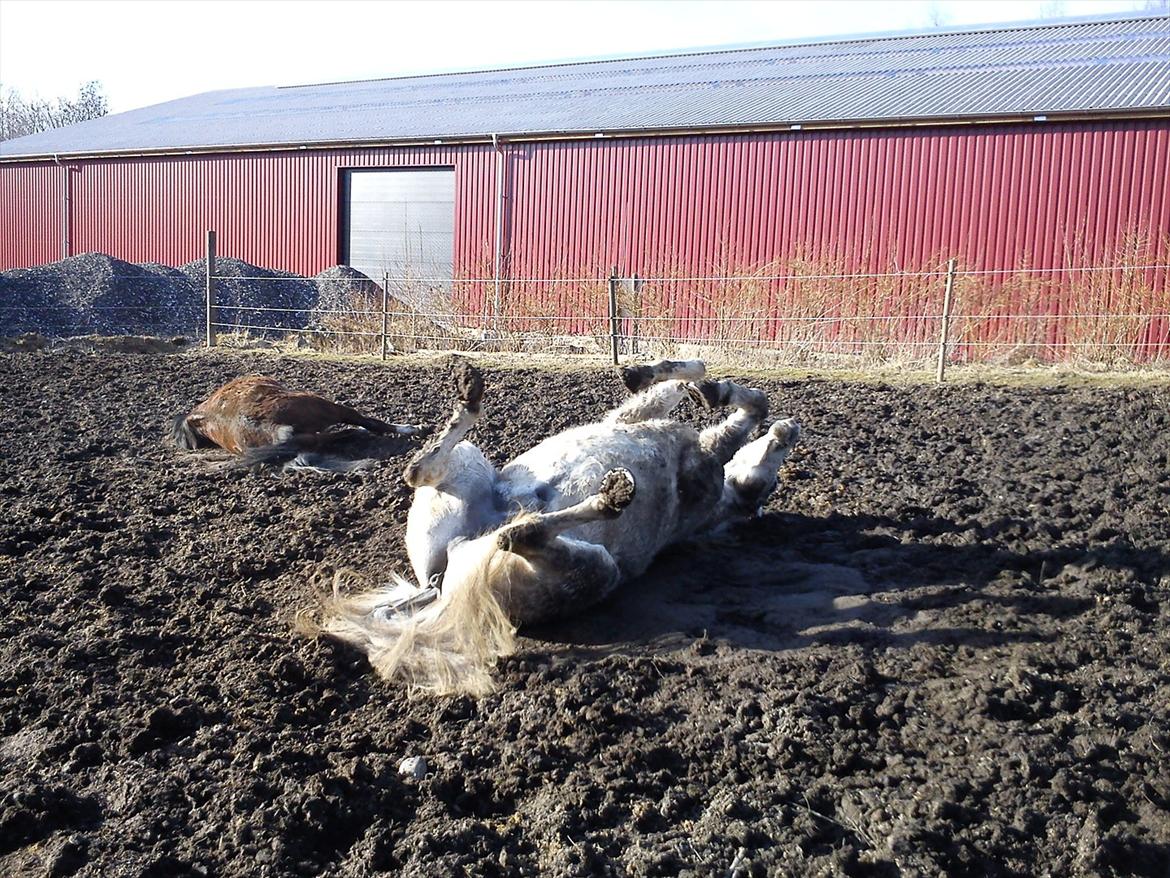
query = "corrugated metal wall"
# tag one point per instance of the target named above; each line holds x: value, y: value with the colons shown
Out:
x: 276, y: 209
x: 31, y: 211
x: 993, y: 196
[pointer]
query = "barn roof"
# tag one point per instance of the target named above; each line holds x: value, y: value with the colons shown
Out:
x: 1077, y: 67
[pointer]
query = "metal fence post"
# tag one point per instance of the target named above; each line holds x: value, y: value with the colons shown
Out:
x: 946, y: 322
x: 613, y: 315
x: 212, y: 318
x: 385, y: 301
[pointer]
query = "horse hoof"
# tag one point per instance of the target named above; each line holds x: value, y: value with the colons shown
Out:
x: 640, y: 377
x: 786, y: 432
x: 637, y: 377
x: 469, y: 385
x: 519, y: 536
x: 708, y: 394
x: 616, y: 491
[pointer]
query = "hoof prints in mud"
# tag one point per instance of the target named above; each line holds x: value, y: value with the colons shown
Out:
x: 943, y: 648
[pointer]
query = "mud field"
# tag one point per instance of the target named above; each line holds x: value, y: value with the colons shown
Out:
x: 944, y: 650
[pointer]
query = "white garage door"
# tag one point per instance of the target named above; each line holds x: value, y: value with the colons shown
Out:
x: 401, y: 222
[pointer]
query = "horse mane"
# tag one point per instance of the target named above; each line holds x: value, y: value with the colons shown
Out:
x: 446, y: 648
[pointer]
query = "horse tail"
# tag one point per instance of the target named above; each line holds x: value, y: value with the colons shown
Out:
x: 446, y: 648
x: 184, y: 434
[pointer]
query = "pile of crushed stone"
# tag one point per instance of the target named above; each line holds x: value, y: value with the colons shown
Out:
x: 255, y: 297
x: 344, y: 292
x: 96, y: 294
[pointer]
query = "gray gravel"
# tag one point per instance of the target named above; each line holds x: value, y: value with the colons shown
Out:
x: 291, y: 295
x: 96, y: 294
x: 343, y: 288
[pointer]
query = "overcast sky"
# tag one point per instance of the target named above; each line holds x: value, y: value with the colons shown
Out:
x: 147, y: 52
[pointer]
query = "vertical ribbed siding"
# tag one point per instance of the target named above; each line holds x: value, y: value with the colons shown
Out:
x: 996, y: 197
x: 278, y: 209
x: 992, y: 196
x: 31, y: 228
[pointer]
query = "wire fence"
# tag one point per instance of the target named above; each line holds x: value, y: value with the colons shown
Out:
x: 1112, y: 314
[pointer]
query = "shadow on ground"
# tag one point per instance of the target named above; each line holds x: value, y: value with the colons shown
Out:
x: 787, y: 581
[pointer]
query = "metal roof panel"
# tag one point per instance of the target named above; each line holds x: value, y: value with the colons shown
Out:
x: 1063, y: 67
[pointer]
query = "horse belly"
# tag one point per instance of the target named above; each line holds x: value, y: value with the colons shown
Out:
x: 569, y: 468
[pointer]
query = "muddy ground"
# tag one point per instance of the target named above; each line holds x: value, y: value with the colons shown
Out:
x: 943, y: 650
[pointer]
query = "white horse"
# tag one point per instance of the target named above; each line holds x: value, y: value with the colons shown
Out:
x: 558, y: 528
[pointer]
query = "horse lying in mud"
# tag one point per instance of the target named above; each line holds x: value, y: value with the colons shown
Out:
x: 557, y: 529
x: 265, y: 424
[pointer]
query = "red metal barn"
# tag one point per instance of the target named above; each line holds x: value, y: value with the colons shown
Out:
x: 1030, y: 155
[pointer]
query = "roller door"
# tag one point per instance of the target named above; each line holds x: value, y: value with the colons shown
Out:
x: 400, y: 222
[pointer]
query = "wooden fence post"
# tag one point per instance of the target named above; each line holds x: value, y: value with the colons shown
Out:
x: 946, y: 322
x: 385, y: 309
x: 212, y: 317
x: 636, y: 309
x: 613, y: 315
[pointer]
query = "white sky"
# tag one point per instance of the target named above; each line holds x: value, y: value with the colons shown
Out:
x: 147, y: 52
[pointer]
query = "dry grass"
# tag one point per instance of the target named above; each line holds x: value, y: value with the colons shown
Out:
x: 803, y: 311
x: 1098, y: 319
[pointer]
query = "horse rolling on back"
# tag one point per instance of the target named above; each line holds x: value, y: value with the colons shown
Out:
x: 560, y: 527
x: 262, y: 422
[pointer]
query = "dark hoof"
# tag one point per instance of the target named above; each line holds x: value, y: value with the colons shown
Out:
x: 708, y: 394
x: 469, y: 385
x: 616, y: 491
x: 518, y: 536
x: 785, y: 432
x: 636, y: 377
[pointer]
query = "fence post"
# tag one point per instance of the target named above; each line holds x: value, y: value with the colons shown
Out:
x: 636, y: 303
x: 385, y: 302
x: 209, y: 264
x: 946, y: 322
x: 613, y: 315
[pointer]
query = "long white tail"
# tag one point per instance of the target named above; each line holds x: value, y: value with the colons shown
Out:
x: 447, y: 647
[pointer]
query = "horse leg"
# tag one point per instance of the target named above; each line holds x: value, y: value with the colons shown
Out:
x: 430, y: 464
x: 751, y: 408
x: 345, y: 415
x: 750, y: 476
x: 637, y: 378
x: 656, y: 401
x: 578, y: 573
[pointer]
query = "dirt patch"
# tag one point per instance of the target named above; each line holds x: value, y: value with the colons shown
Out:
x: 942, y: 649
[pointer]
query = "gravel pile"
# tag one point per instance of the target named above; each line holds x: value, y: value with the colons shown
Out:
x: 343, y: 291
x: 247, y: 301
x: 96, y: 294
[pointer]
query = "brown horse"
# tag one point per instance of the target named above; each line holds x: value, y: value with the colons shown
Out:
x: 257, y: 418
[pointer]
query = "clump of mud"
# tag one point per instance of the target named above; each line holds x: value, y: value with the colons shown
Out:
x: 25, y: 343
